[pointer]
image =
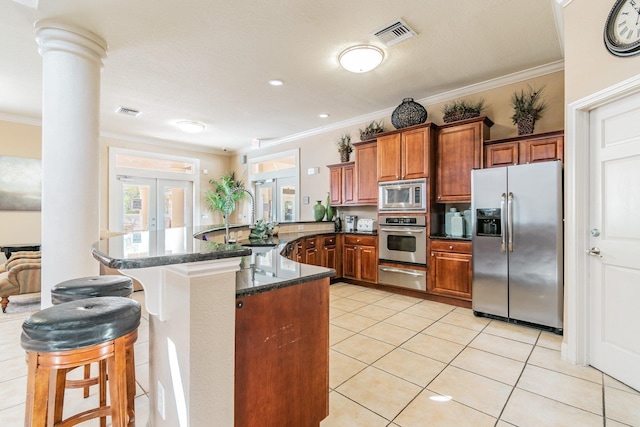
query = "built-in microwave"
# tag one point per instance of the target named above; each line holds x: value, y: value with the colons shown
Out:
x: 403, y: 196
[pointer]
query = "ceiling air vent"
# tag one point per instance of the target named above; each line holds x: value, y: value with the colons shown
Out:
x: 127, y: 111
x: 394, y: 33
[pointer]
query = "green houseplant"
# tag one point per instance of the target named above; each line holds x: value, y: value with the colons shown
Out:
x: 371, y: 130
x: 224, y: 196
x: 344, y: 147
x: 527, y: 106
x: 461, y: 109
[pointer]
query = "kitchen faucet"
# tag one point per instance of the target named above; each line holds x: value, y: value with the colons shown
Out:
x: 227, y: 208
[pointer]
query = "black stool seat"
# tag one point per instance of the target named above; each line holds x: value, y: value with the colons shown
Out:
x: 91, y: 287
x: 81, y: 323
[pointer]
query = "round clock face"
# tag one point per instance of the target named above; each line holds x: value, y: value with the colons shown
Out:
x: 622, y: 29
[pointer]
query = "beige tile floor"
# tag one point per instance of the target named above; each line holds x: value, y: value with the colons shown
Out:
x: 390, y: 356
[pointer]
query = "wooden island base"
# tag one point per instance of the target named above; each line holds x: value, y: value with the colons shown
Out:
x: 282, y: 356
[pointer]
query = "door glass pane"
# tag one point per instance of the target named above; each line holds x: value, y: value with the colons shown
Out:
x: 175, y: 206
x: 286, y: 201
x: 136, y: 207
x: 265, y: 202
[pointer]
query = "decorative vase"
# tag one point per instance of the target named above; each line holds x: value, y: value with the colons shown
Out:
x: 526, y: 123
x: 344, y: 156
x: 318, y: 211
x: 329, y: 209
x: 408, y: 113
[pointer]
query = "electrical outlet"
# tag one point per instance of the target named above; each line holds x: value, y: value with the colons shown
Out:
x: 160, y: 393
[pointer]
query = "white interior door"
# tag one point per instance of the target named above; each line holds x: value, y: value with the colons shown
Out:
x: 614, y: 339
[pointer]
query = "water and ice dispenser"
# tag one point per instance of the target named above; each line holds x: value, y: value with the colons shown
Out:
x: 488, y: 222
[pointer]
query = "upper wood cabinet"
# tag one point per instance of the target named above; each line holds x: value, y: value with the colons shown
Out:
x: 406, y: 154
x: 366, y: 175
x: 342, y: 184
x: 460, y: 149
x: 524, y: 149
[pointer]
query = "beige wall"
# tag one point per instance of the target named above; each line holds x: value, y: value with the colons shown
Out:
x: 320, y: 150
x: 589, y: 67
x: 20, y: 140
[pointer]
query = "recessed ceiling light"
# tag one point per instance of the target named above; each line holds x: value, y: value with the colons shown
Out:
x: 190, y: 127
x: 323, y: 115
x: 276, y: 82
x: 360, y: 59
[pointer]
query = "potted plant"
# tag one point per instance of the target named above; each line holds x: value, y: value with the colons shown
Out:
x: 371, y: 130
x: 224, y: 196
x: 527, y: 107
x: 461, y: 109
x: 344, y: 147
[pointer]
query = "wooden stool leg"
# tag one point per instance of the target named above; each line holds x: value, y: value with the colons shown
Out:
x: 87, y: 375
x: 102, y: 386
x: 117, y: 370
x: 58, y: 398
x: 131, y: 384
x: 37, y: 393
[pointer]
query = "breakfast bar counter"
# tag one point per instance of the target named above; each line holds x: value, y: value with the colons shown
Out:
x: 212, y: 308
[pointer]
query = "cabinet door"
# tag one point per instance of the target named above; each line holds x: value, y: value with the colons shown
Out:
x: 329, y: 257
x: 505, y: 154
x: 415, y: 154
x: 368, y: 264
x: 349, y: 184
x: 451, y: 274
x: 542, y: 150
x: 459, y: 151
x: 335, y: 185
x: 366, y: 174
x: 312, y: 256
x: 349, y: 261
x: 389, y: 158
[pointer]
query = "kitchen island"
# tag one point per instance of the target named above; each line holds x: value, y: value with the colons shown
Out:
x: 229, y: 328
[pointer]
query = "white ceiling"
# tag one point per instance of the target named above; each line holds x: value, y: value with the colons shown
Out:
x: 210, y: 60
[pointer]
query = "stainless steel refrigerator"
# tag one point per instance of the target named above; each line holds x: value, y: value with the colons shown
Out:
x: 517, y: 225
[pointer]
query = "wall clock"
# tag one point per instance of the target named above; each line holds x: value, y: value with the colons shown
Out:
x: 622, y: 28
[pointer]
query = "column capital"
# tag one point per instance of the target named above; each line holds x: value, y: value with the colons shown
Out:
x: 60, y: 37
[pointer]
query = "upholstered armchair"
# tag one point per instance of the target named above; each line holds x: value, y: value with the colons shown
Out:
x: 21, y: 275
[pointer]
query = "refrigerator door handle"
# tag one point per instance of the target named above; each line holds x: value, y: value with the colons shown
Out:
x: 503, y: 245
x: 510, y: 221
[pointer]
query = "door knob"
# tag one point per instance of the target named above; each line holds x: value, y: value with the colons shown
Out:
x: 594, y: 251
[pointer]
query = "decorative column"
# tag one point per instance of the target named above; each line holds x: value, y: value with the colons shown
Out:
x: 72, y: 60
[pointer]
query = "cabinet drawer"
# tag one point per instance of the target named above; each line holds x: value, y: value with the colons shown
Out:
x: 329, y: 241
x: 353, y: 239
x: 310, y: 243
x: 450, y: 246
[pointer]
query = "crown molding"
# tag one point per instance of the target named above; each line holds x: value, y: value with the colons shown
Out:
x: 442, y: 97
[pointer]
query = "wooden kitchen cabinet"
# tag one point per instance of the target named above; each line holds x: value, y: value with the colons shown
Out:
x: 360, y: 258
x: 330, y: 252
x: 460, y: 149
x: 524, y: 149
x: 342, y: 184
x: 366, y: 173
x: 280, y: 334
x: 451, y: 269
x: 312, y: 255
x: 405, y: 155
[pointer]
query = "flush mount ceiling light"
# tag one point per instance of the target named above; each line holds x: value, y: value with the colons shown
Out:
x: 323, y: 115
x: 190, y: 127
x: 360, y: 59
x: 276, y: 82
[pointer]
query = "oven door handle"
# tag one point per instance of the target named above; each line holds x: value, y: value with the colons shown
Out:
x: 395, y: 270
x: 403, y: 230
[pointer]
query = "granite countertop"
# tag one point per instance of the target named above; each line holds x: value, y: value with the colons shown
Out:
x: 262, y: 268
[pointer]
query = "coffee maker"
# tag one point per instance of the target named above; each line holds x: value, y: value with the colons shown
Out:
x: 350, y: 222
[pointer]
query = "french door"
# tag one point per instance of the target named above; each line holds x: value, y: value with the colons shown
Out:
x: 276, y: 200
x: 150, y: 204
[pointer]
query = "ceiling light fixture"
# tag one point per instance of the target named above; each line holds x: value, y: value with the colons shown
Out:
x: 190, y: 127
x: 360, y: 59
x: 276, y: 82
x: 323, y: 115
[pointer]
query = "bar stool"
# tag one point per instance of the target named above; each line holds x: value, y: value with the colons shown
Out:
x: 92, y: 287
x: 72, y: 334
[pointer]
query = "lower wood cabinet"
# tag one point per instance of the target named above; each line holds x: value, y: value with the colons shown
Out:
x: 330, y: 253
x: 312, y: 255
x: 451, y: 269
x: 282, y: 356
x: 360, y: 258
